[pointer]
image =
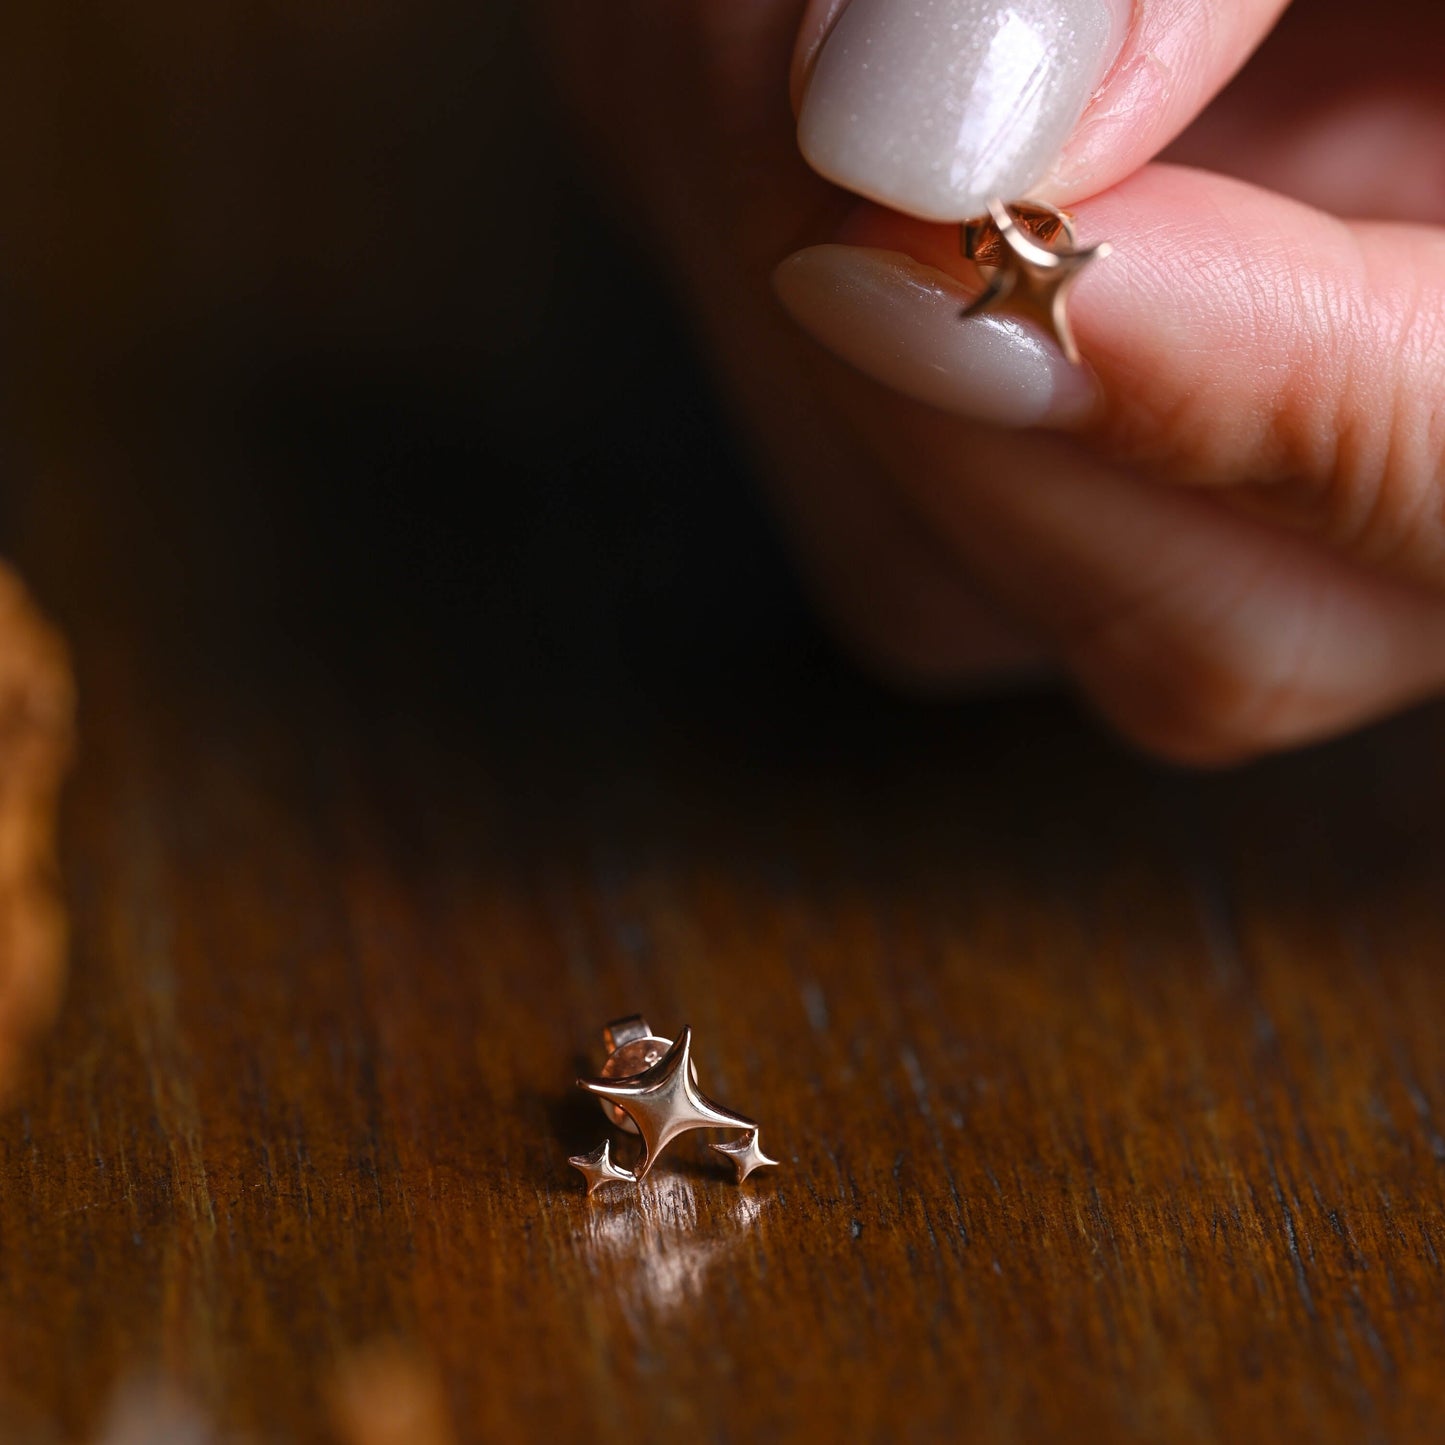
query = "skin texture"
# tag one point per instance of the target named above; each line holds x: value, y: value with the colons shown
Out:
x: 1242, y: 547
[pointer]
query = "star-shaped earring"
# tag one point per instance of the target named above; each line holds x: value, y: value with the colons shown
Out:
x: 745, y: 1153
x: 660, y: 1102
x: 598, y: 1169
x: 1032, y: 273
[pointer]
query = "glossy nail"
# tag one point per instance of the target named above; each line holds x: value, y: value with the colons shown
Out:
x: 933, y: 106
x: 898, y: 322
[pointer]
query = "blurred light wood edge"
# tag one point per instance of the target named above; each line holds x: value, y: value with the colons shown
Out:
x: 37, y: 725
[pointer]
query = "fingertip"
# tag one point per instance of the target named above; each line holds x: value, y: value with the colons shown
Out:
x: 901, y: 323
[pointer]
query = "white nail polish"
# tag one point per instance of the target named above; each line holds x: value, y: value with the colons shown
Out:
x: 933, y: 106
x: 899, y: 323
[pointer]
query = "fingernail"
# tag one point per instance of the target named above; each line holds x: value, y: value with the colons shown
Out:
x: 899, y: 323
x: 933, y: 106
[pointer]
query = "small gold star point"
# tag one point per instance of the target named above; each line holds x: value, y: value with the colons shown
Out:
x: 746, y: 1154
x: 1033, y: 279
x: 598, y: 1169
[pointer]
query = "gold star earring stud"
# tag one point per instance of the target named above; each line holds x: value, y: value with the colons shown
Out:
x: 1029, y: 257
x: 648, y: 1087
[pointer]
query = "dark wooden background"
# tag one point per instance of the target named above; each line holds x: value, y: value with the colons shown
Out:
x: 444, y: 694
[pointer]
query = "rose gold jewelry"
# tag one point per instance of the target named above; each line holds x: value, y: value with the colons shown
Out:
x: 648, y: 1086
x: 1028, y: 254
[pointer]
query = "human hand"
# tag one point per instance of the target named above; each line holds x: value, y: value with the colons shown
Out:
x: 1228, y: 527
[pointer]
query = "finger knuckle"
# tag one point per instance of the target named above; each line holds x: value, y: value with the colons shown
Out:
x: 1367, y: 451
x: 1200, y: 695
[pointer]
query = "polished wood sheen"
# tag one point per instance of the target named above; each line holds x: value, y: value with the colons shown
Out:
x: 1109, y: 1101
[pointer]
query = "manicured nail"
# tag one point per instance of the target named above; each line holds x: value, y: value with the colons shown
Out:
x: 933, y: 106
x: 898, y: 322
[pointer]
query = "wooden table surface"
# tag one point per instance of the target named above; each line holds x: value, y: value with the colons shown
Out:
x: 1110, y: 1100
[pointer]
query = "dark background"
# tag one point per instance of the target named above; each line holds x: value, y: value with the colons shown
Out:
x: 310, y: 320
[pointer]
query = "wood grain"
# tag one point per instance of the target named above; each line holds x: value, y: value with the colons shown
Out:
x: 1109, y: 1100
